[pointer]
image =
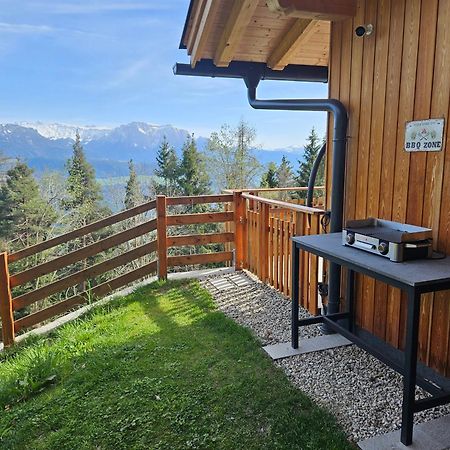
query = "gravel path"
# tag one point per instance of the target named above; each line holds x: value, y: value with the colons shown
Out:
x: 363, y: 393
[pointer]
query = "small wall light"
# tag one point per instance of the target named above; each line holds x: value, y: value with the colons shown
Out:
x: 364, y: 30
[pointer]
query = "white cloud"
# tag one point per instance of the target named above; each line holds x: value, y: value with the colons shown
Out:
x: 93, y: 7
x: 128, y: 73
x: 24, y: 28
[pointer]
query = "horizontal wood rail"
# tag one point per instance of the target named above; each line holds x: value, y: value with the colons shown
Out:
x: 265, y: 227
x: 83, y: 275
x: 82, y: 253
x: 204, y: 258
x: 199, y: 239
x: 201, y: 218
x: 98, y: 291
x: 94, y: 226
x: 286, y: 205
x: 221, y: 198
x: 251, y: 232
x: 276, y: 189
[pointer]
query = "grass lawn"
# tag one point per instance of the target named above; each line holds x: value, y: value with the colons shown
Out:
x: 159, y: 369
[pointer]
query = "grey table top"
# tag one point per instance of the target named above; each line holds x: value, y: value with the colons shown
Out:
x: 427, y: 273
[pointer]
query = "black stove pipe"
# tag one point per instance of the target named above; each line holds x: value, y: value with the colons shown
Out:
x: 313, y: 175
x: 340, y: 121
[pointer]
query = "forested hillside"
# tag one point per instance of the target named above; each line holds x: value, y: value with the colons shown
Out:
x: 34, y: 209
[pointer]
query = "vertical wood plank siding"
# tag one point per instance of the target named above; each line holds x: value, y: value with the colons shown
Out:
x: 399, y: 73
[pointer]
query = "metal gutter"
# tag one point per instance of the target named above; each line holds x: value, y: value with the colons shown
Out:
x: 340, y: 122
x: 252, y: 74
x: 241, y: 69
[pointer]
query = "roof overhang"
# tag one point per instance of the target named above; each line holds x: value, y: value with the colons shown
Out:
x: 333, y: 10
x: 277, y: 33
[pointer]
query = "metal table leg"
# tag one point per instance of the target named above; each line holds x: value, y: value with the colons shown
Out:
x: 409, y: 377
x: 295, y: 294
x: 351, y: 299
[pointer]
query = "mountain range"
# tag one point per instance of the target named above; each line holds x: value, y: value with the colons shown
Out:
x: 47, y: 146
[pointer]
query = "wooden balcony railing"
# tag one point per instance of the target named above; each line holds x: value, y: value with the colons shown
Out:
x: 254, y: 232
x: 267, y: 226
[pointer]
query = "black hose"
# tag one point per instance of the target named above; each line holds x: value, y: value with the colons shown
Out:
x: 313, y: 175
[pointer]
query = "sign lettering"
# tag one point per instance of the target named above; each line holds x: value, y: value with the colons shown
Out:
x: 424, y: 135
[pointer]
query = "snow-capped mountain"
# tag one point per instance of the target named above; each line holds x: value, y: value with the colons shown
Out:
x: 47, y: 146
x: 62, y: 131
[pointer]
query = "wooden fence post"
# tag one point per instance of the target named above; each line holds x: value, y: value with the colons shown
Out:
x: 239, y: 229
x: 264, y: 242
x: 161, y: 217
x: 6, y: 309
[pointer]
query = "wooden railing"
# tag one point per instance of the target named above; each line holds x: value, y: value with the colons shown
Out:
x: 166, y: 241
x: 266, y: 226
x: 244, y: 229
x: 157, y: 246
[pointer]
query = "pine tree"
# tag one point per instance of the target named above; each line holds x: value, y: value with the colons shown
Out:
x: 81, y: 186
x: 133, y: 193
x: 167, y: 169
x: 25, y: 217
x: 285, y: 174
x: 83, y: 195
x: 83, y: 204
x: 269, y: 178
x: 312, y: 148
x: 193, y: 179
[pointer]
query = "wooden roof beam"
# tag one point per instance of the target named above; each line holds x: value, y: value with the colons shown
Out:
x: 240, y: 16
x: 198, y: 8
x: 298, y: 36
x: 333, y: 10
x: 203, y: 30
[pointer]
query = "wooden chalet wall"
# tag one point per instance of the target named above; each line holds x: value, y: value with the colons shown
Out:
x: 399, y: 73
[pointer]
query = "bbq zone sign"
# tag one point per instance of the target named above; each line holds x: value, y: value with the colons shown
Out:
x: 424, y: 135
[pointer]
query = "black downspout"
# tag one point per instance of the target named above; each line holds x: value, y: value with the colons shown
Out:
x: 313, y: 175
x: 340, y: 122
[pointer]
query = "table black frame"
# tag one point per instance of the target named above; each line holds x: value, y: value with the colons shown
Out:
x: 354, y: 263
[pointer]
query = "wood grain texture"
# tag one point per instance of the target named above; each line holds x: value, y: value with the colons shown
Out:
x: 161, y: 214
x: 6, y: 307
x: 240, y: 16
x: 300, y: 33
x: 366, y: 285
x: 95, y: 226
x: 378, y: 293
x: 190, y: 219
x: 203, y: 258
x: 320, y: 9
x: 82, y: 253
x: 409, y: 79
x: 83, y: 275
x: 246, y: 30
x: 98, y: 291
x: 199, y: 199
x: 200, y: 239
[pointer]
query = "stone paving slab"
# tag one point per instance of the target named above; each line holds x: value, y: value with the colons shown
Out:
x: 315, y: 344
x: 432, y: 435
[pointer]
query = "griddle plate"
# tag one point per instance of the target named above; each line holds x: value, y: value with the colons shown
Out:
x: 383, y: 233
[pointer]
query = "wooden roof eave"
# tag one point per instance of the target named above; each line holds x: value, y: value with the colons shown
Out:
x: 334, y: 10
x: 224, y: 31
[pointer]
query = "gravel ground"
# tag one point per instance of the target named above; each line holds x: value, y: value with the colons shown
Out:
x: 363, y: 393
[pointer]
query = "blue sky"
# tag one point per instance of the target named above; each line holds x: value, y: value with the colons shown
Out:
x: 105, y: 62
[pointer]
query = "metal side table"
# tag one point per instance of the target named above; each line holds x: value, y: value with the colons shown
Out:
x: 415, y: 278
